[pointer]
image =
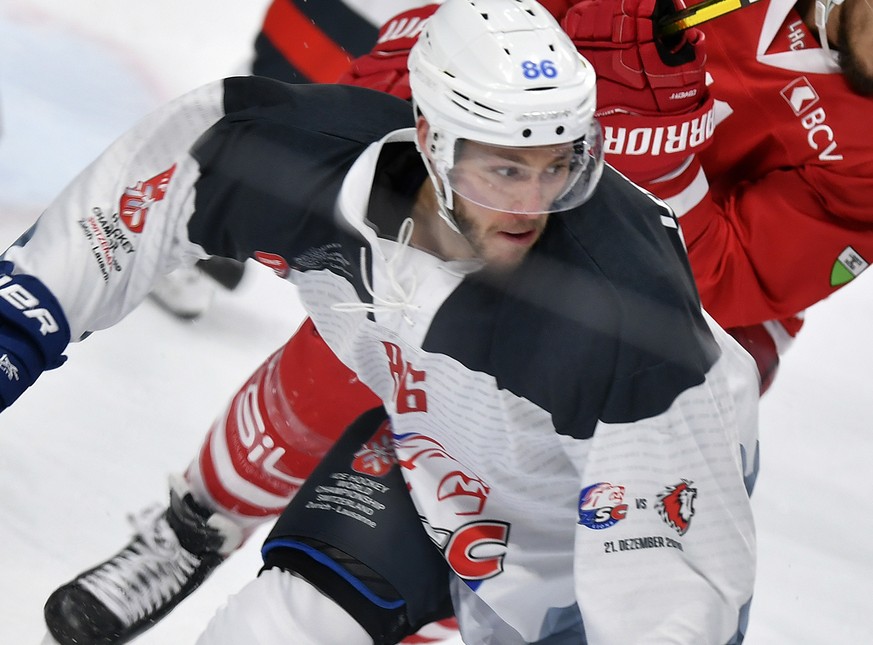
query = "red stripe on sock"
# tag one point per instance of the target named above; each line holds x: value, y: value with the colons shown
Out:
x: 224, y: 498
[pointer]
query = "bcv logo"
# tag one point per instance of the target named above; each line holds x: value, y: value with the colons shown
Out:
x: 802, y: 98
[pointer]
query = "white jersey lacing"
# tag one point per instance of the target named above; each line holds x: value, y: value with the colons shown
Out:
x: 400, y: 298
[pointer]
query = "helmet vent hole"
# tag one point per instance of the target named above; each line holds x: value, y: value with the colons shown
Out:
x: 486, y: 107
x: 559, y: 129
x: 526, y: 133
x: 485, y: 16
x: 470, y: 107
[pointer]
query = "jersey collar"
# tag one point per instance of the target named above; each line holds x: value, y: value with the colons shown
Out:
x: 815, y: 61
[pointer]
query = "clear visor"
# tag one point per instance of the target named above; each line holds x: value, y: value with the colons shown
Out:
x: 528, y: 180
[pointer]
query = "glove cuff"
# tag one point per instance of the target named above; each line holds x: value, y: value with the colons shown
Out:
x: 385, y: 67
x: 647, y: 147
x: 33, y: 332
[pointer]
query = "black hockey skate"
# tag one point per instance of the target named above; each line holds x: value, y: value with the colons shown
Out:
x: 173, y: 552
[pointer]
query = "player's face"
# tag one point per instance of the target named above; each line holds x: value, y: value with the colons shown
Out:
x: 501, y: 240
x: 512, y: 180
x: 855, y: 42
x: 503, y: 197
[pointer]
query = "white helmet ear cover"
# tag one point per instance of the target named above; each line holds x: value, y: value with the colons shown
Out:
x: 434, y: 157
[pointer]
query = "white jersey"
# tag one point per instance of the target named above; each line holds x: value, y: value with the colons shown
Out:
x: 575, y: 435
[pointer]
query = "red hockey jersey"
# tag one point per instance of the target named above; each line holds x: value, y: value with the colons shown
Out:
x: 787, y: 216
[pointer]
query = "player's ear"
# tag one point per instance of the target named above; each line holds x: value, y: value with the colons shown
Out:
x: 422, y: 129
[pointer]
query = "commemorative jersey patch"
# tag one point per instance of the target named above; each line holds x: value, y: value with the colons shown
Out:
x: 601, y: 505
x: 136, y: 200
x: 108, y: 239
x: 676, y: 506
x: 376, y: 457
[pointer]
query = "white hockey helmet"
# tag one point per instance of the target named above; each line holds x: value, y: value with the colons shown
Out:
x: 503, y: 73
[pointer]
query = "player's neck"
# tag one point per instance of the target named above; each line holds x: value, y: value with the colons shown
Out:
x: 806, y: 9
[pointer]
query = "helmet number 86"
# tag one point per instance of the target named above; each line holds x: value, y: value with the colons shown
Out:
x: 546, y: 68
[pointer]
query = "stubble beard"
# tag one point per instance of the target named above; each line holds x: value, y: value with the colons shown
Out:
x: 858, y: 78
x: 475, y: 237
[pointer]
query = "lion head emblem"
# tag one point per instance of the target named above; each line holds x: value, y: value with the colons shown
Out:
x: 676, y: 505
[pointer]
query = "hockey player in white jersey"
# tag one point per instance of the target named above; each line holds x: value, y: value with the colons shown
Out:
x: 530, y: 326
x: 66, y: 608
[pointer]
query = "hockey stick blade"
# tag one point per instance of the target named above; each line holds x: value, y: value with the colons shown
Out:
x: 698, y: 14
